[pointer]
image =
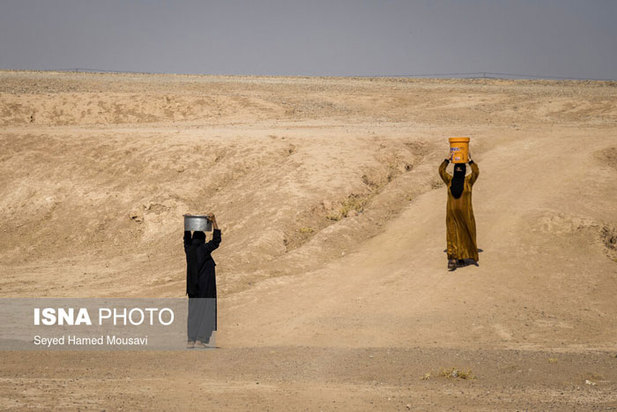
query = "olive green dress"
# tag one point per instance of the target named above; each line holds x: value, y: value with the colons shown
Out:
x: 460, y: 222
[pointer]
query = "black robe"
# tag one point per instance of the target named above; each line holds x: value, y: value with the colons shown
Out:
x: 201, y: 286
x: 204, y: 284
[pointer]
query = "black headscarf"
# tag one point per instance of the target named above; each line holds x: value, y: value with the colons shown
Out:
x: 199, y: 238
x: 458, y: 180
x: 199, y: 235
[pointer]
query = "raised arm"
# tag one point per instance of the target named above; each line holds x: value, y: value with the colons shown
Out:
x: 442, y: 171
x: 216, y: 235
x: 475, y: 172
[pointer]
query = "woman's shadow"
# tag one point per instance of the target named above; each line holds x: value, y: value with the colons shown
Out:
x: 466, y: 262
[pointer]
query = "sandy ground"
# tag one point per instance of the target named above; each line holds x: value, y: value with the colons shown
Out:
x: 332, y: 277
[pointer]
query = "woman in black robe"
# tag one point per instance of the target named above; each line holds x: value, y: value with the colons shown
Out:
x: 201, y: 284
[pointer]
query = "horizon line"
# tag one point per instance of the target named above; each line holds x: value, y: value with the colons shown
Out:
x: 454, y: 75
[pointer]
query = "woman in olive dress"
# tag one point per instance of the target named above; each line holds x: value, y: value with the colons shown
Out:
x: 460, y: 221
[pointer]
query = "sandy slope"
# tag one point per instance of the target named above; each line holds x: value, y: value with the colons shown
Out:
x: 333, y: 227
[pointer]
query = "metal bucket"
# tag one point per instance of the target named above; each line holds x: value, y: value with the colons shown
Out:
x: 197, y: 222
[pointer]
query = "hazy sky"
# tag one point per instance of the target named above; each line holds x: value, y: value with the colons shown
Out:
x: 571, y: 38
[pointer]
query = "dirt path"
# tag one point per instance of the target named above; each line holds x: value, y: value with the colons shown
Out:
x: 393, y: 290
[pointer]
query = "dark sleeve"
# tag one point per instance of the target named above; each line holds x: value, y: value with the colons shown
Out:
x: 187, y: 239
x: 442, y: 171
x: 475, y: 172
x: 215, y: 242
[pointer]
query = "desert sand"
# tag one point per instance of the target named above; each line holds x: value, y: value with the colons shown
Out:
x: 332, y: 280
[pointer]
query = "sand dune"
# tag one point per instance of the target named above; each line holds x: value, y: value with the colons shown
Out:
x: 333, y: 228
